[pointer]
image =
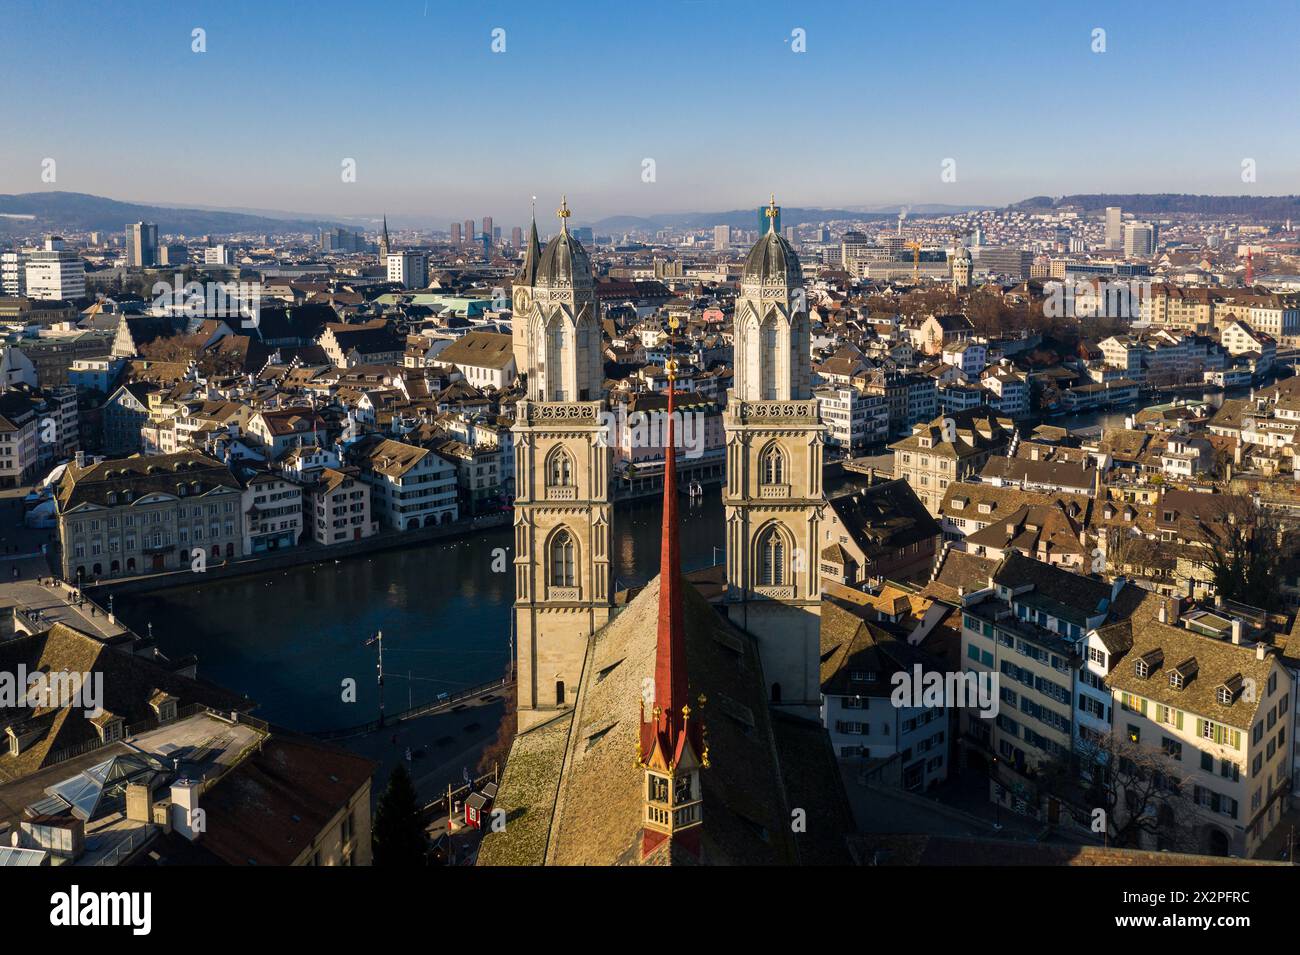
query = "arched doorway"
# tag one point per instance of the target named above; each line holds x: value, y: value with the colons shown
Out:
x: 559, y: 692
x: 1216, y: 841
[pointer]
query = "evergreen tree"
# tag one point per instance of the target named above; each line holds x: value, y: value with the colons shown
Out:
x: 398, y: 835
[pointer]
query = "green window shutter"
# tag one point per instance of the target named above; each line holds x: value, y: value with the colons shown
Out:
x: 1200, y: 728
x: 1144, y: 706
x: 1178, y: 718
x: 1236, y: 739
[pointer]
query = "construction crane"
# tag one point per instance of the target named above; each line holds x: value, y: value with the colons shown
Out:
x: 916, y: 261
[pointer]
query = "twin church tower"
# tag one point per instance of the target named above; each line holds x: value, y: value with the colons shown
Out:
x: 563, y: 512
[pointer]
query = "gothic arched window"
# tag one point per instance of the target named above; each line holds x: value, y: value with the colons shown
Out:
x: 771, y: 559
x: 562, y: 572
x: 553, y: 367
x: 748, y: 360
x: 767, y: 360
x: 559, y: 469
x: 771, y: 465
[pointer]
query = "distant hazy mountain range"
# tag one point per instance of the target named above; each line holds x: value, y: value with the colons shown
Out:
x: 34, y: 213
x: 1259, y: 207
x: 737, y: 219
x: 38, y: 212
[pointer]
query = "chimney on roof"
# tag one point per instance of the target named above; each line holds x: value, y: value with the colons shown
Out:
x: 1236, y: 631
x: 1261, y: 651
x: 187, y: 818
x: 1163, y: 615
x: 139, y: 802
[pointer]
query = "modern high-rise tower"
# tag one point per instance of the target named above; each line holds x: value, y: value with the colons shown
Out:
x: 141, y: 244
x: 1114, y: 227
x: 773, y: 495
x: 563, y: 588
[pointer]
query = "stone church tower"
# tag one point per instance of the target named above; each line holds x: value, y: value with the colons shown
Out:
x: 773, y: 495
x: 562, y: 464
x: 961, y: 269
x: 384, y: 245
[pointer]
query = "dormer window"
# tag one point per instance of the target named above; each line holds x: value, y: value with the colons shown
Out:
x: 1183, y: 674
x: 1227, y: 691
x: 1142, y: 669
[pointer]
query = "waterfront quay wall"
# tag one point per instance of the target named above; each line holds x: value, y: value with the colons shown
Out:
x: 303, y: 554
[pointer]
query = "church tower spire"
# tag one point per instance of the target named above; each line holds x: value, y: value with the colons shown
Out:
x: 773, y: 497
x: 672, y: 748
x: 384, y: 245
x: 563, y: 511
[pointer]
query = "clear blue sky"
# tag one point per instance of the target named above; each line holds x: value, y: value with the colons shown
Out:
x: 709, y: 89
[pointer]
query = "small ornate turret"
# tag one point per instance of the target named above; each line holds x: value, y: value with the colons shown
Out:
x: 672, y: 748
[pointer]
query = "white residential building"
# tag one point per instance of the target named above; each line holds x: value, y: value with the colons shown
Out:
x: 411, y: 487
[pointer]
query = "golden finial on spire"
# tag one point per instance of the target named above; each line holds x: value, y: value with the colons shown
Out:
x: 563, y: 213
x: 771, y: 213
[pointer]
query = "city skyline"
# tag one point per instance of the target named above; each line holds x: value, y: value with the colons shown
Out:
x: 1048, y: 115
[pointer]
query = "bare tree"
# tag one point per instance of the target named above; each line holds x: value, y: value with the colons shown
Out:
x: 1136, y: 794
x: 1243, y: 548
